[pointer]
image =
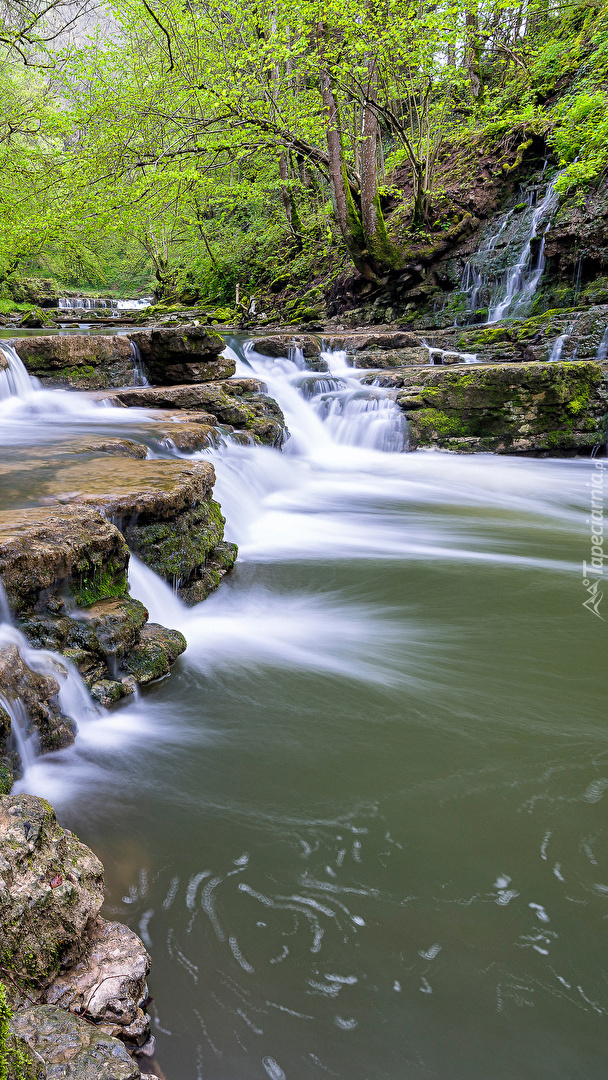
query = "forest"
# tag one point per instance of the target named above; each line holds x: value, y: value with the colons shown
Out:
x: 183, y: 149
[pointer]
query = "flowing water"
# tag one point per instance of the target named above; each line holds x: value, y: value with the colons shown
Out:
x: 361, y: 828
x: 508, y: 265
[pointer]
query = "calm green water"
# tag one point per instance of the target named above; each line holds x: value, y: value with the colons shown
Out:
x: 362, y: 827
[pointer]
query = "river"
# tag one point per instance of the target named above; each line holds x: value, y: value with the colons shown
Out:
x: 361, y: 827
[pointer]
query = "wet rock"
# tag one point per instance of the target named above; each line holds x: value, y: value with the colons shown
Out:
x: 385, y: 358
x: 283, y: 344
x: 37, y: 318
x: 38, y: 694
x: 49, y: 553
x: 108, y: 983
x: 70, y: 1048
x: 51, y: 887
x: 157, y: 650
x: 182, y: 354
x: 239, y: 404
x: 78, y: 361
x: 115, y: 447
x: 525, y: 408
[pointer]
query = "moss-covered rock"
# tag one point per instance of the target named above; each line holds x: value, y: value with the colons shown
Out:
x: 182, y: 354
x: 51, y: 886
x: 157, y: 649
x: 548, y: 408
x: 78, y: 361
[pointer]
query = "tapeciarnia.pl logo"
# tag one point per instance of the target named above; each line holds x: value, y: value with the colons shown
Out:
x: 593, y: 571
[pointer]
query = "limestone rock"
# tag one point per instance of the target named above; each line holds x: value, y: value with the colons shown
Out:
x: 72, y: 1049
x: 281, y: 345
x: 51, y: 887
x: 504, y: 408
x: 239, y: 404
x: 182, y: 354
x: 38, y: 694
x: 78, y: 360
x: 108, y: 984
x: 48, y: 552
x: 156, y: 651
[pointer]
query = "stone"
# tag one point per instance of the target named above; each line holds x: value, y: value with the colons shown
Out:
x: 70, y: 1048
x: 282, y: 344
x: 182, y: 354
x: 239, y: 404
x: 156, y: 651
x: 78, y: 361
x: 556, y: 408
x: 384, y: 358
x: 51, y: 888
x: 50, y: 552
x: 38, y: 694
x: 108, y: 983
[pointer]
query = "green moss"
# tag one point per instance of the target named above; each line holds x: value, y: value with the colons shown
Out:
x: 108, y: 583
x: 174, y: 549
x: 14, y: 1064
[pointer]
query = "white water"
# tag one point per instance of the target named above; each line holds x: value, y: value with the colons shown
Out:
x: 92, y: 303
x: 602, y: 351
x: 14, y: 379
x: 524, y: 277
x: 336, y: 492
x: 514, y: 292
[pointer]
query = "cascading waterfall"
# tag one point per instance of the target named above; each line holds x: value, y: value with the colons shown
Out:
x: 14, y: 379
x: 346, y: 413
x: 139, y: 372
x: 514, y: 291
x: 602, y: 349
x: 95, y: 303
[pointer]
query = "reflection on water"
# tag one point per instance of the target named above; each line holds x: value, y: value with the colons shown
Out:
x: 362, y: 826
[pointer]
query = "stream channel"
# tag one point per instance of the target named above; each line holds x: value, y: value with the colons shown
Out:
x: 362, y: 826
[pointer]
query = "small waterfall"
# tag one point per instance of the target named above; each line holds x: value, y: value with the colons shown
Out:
x: 525, y: 275
x: 333, y: 409
x: 14, y: 379
x: 513, y: 292
x: 602, y: 349
x: 556, y: 351
x: 139, y: 371
x: 437, y: 356
x: 97, y: 303
x: 25, y: 742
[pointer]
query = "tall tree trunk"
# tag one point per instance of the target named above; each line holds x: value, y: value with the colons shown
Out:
x: 380, y: 250
x: 291, y: 210
x: 345, y: 209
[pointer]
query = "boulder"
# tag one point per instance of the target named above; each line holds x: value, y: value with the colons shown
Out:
x: 65, y: 573
x: 557, y: 408
x: 69, y: 1048
x: 51, y: 888
x: 182, y: 354
x: 283, y: 344
x: 37, y: 693
x: 78, y: 361
x: 157, y: 650
x: 164, y: 509
x: 386, y: 358
x: 47, y: 554
x: 108, y: 983
x: 238, y: 404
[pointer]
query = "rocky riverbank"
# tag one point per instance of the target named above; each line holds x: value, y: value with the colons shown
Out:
x: 75, y: 983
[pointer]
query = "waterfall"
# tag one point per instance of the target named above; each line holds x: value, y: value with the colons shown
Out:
x: 25, y: 743
x: 14, y: 379
x: 333, y: 408
x: 602, y: 349
x: 96, y: 303
x: 513, y: 292
x: 525, y: 275
x: 139, y: 371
